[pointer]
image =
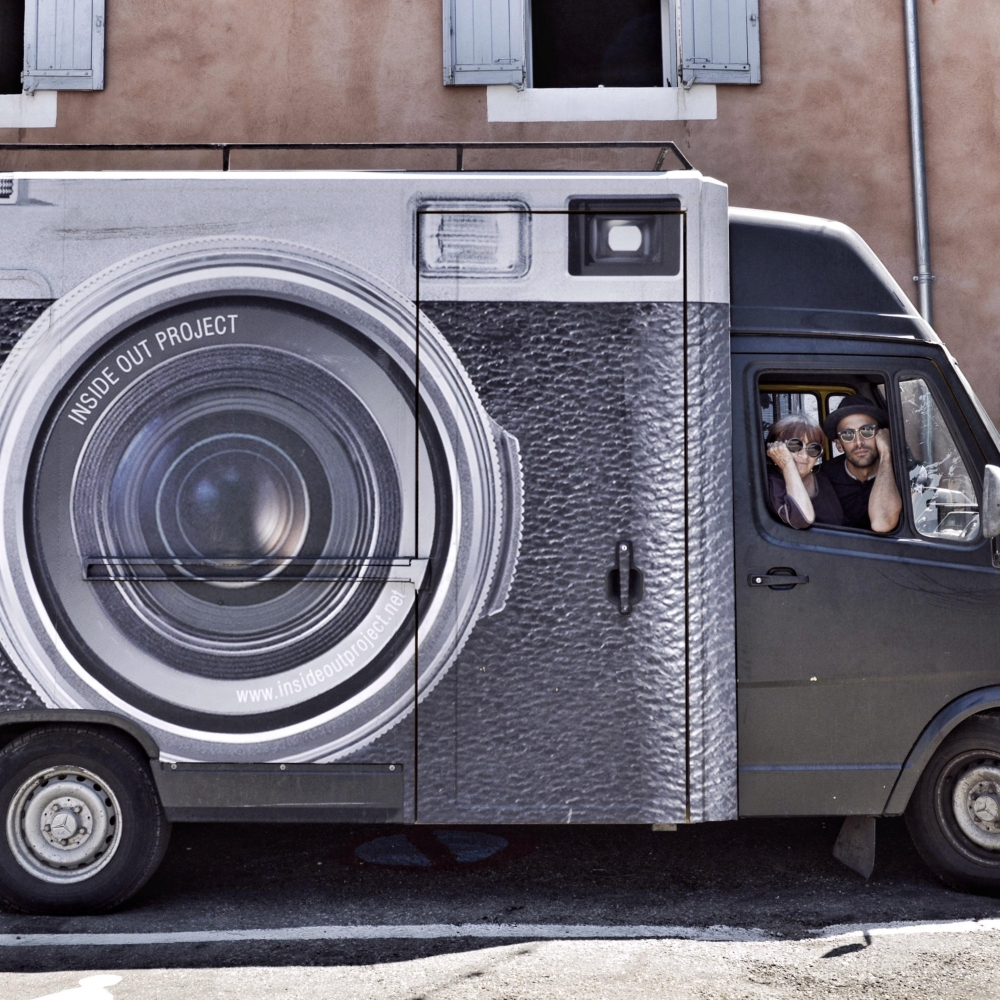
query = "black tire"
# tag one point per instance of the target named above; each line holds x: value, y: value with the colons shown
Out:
x: 60, y: 780
x: 962, y: 851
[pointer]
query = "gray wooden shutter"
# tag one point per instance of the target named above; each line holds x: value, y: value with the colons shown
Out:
x: 484, y: 42
x: 63, y: 45
x: 719, y: 41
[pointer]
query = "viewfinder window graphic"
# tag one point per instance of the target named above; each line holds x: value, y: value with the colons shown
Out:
x: 625, y: 238
x: 474, y: 240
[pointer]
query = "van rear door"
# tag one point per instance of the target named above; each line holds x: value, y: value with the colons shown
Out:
x: 571, y: 704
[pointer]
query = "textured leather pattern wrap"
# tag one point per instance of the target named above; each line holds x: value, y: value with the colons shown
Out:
x: 560, y: 708
x: 711, y: 605
x: 16, y: 315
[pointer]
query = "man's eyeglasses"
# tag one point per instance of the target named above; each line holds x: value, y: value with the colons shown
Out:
x: 814, y: 449
x: 866, y: 431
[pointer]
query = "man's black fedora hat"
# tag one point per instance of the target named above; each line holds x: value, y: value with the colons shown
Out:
x: 850, y: 405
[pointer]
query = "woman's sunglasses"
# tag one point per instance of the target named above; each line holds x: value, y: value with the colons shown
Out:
x: 867, y: 431
x: 813, y: 449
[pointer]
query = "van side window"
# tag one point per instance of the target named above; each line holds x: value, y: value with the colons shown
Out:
x: 944, y: 500
x: 828, y: 451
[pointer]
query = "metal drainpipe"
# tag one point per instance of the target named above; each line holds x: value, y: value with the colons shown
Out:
x: 923, y: 277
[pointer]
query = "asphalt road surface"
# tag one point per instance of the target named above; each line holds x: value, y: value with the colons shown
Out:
x: 749, y: 909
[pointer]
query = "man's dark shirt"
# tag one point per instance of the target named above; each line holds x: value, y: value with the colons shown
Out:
x: 852, y: 494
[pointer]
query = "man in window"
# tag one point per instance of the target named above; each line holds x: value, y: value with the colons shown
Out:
x: 862, y: 477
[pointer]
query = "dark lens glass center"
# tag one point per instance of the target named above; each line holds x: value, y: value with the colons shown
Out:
x: 236, y: 503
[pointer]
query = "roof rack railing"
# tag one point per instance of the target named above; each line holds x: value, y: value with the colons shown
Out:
x: 459, y: 148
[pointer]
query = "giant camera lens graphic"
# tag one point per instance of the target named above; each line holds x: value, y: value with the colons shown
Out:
x: 239, y: 517
x: 237, y: 481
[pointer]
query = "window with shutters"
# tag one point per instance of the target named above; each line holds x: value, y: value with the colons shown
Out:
x: 601, y: 43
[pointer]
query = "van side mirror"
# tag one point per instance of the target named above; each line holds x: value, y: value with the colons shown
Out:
x: 991, y: 502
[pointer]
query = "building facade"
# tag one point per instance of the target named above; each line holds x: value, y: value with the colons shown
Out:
x: 825, y: 131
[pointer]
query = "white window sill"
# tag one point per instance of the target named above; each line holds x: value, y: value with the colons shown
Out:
x: 601, y: 104
x: 37, y: 110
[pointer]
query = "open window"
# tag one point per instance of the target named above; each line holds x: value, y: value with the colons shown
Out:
x: 592, y: 43
x: 805, y: 406
x: 570, y: 44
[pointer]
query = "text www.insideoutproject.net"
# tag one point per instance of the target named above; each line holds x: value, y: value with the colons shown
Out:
x: 315, y: 677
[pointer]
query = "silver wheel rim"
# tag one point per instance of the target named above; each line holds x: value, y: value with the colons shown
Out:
x: 976, y: 804
x: 64, y: 824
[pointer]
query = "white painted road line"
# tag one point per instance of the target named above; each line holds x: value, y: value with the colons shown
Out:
x: 90, y: 988
x: 905, y: 927
x: 388, y: 932
x: 496, y: 932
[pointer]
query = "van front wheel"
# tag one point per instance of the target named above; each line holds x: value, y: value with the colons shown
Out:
x: 83, y: 825
x: 954, y: 813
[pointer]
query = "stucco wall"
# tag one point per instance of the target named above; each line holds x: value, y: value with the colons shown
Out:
x: 825, y: 134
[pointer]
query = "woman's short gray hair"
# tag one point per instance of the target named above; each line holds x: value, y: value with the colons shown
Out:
x: 795, y: 425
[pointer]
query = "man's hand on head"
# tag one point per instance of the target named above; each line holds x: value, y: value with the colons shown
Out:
x: 883, y: 443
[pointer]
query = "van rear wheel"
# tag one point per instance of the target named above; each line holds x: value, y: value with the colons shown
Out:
x: 954, y: 813
x: 83, y: 826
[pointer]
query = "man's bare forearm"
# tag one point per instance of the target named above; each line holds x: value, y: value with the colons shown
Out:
x: 884, y: 505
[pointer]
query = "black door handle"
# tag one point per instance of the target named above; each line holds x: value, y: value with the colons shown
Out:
x: 777, y: 578
x: 625, y: 584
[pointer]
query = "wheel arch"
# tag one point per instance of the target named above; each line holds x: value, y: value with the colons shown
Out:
x: 17, y: 721
x: 947, y: 720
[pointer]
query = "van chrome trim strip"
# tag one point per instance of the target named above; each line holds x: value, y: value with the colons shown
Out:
x: 820, y: 767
